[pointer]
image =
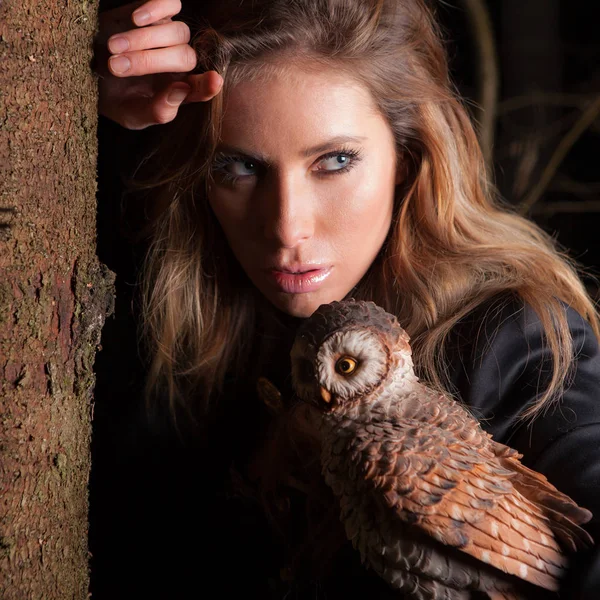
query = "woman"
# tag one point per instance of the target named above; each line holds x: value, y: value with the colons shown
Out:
x: 335, y: 159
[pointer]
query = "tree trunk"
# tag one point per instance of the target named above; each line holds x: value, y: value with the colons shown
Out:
x: 54, y: 295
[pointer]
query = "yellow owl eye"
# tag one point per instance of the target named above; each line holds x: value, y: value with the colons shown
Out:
x: 346, y: 365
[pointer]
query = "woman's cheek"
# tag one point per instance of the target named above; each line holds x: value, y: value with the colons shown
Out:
x: 230, y: 207
x: 362, y: 204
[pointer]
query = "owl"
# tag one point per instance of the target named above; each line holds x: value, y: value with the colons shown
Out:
x: 433, y: 504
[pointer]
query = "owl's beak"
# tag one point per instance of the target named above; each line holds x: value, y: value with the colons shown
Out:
x: 325, y: 394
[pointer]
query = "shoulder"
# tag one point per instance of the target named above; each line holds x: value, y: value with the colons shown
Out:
x: 507, y: 317
x: 499, y: 363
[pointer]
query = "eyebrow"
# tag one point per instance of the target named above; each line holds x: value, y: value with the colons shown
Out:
x: 334, y: 141
x: 306, y: 152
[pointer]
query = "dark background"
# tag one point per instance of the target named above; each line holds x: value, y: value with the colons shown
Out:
x: 147, y: 537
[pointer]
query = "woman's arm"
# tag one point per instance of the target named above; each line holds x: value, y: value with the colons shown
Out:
x: 499, y: 362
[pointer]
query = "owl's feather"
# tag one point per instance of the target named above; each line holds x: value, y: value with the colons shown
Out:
x: 439, y: 485
x: 329, y: 318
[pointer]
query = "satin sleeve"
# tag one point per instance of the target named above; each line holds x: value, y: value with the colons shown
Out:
x: 500, y: 365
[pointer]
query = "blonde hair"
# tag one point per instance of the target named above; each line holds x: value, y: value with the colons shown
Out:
x: 452, y: 246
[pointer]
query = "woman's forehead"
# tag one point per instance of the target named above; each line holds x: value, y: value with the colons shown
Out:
x: 298, y: 107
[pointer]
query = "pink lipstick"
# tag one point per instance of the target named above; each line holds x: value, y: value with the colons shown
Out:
x: 298, y: 280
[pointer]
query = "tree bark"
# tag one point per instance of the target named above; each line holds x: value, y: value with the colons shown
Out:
x: 54, y: 295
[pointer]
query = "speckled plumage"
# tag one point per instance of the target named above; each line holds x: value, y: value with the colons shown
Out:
x: 432, y: 503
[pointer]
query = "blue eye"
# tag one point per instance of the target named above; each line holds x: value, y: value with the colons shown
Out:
x: 230, y: 169
x: 242, y: 168
x: 338, y: 161
x: 335, y: 163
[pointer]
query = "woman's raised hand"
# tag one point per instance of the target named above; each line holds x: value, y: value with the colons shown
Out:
x: 142, y: 56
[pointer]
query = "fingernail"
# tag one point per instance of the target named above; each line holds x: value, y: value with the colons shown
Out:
x: 177, y: 96
x: 141, y: 16
x: 120, y: 64
x: 118, y: 44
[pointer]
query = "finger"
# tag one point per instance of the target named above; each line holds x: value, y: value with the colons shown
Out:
x: 173, y: 33
x: 204, y: 87
x: 155, y: 10
x: 175, y: 59
x: 167, y: 103
x: 141, y: 112
x: 120, y: 19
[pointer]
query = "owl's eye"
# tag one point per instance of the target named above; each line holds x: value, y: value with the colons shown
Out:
x: 346, y: 365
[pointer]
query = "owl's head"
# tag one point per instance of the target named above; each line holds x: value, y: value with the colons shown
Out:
x: 345, y: 352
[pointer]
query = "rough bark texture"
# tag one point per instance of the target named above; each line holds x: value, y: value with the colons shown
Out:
x: 54, y: 295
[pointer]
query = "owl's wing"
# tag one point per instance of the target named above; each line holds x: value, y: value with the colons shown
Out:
x: 460, y: 495
x: 565, y: 514
x: 445, y: 413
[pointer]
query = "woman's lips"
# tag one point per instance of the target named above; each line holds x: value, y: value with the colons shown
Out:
x: 300, y: 282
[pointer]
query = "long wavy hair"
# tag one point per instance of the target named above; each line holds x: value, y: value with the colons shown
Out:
x: 452, y: 245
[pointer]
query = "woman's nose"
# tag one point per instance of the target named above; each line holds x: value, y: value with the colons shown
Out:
x: 289, y: 210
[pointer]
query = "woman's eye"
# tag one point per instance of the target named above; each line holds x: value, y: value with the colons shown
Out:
x: 337, y: 161
x: 241, y: 168
x: 334, y: 163
x: 231, y: 169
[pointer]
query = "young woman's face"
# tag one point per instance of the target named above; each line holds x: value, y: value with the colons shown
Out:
x: 303, y: 187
